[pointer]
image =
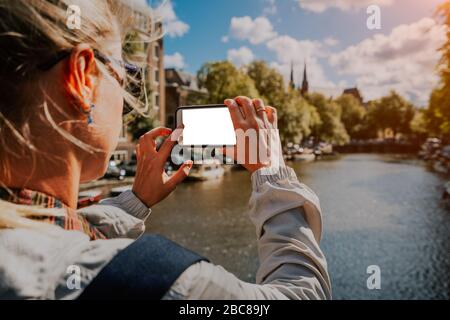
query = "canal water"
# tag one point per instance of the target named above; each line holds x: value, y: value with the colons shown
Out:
x: 378, y: 210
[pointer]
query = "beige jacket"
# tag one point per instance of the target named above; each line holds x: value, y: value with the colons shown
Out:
x: 286, y: 214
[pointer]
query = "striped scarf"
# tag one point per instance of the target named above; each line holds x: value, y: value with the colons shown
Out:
x: 71, y: 221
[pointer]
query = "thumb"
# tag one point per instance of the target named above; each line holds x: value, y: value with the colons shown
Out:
x: 181, y: 174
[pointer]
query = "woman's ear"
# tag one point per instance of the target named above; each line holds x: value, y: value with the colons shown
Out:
x: 80, y: 76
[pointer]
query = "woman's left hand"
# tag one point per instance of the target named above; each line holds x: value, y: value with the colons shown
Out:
x: 152, y: 184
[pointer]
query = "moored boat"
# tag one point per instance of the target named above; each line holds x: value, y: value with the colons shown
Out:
x: 207, y: 171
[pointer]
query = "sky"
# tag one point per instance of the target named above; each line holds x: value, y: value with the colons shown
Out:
x: 330, y: 36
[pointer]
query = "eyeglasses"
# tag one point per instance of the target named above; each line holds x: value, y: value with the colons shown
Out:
x: 130, y: 69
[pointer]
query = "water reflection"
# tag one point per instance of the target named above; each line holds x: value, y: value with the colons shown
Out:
x: 377, y: 210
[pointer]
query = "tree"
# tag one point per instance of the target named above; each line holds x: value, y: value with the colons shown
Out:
x: 419, y: 125
x: 296, y: 117
x: 330, y: 127
x: 393, y: 112
x: 437, y: 116
x: 138, y: 125
x: 268, y: 82
x: 352, y: 114
x: 223, y: 80
x: 369, y: 129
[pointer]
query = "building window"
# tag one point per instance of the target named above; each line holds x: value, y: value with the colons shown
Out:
x: 157, y: 75
x: 123, y: 132
x: 119, y: 156
x: 157, y: 100
x: 156, y: 51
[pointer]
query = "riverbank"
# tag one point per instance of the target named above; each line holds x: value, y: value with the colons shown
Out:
x: 383, y: 147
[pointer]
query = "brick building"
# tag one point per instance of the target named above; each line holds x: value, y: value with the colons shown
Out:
x: 155, y: 78
x: 181, y: 90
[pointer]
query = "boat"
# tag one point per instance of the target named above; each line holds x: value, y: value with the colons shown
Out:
x: 89, y: 197
x: 305, y: 155
x: 207, y: 171
x: 325, y: 148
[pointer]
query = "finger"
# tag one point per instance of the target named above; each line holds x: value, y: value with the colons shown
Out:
x: 272, y: 116
x: 159, y: 132
x: 180, y: 175
x: 247, y: 106
x: 138, y: 152
x: 147, y: 141
x: 261, y: 111
x: 235, y: 111
x: 169, y: 143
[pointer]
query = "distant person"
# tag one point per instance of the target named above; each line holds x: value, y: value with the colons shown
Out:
x: 60, y: 119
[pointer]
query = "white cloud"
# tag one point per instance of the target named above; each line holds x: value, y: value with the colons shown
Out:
x: 290, y: 51
x: 270, y: 8
x: 255, y: 31
x: 241, y: 56
x: 175, y: 60
x: 404, y: 60
x: 173, y: 26
x: 346, y: 5
x: 225, y: 39
x: 331, y: 42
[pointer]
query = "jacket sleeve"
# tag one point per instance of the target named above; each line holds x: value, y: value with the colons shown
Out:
x: 119, y: 217
x: 287, y: 217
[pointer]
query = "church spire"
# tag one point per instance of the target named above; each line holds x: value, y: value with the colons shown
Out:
x: 291, y: 83
x: 305, y: 84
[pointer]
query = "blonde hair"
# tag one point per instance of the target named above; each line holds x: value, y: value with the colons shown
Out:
x: 32, y: 32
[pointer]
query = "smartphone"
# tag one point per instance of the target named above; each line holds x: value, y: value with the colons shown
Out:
x: 206, y: 125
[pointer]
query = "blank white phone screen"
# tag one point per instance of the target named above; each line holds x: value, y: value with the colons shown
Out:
x: 208, y: 127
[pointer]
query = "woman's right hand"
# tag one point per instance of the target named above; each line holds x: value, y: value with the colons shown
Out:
x: 251, y: 114
x: 152, y: 184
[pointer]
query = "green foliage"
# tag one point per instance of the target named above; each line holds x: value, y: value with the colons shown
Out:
x: 352, y: 115
x: 139, y: 125
x: 392, y: 112
x: 333, y: 121
x: 419, y: 124
x: 223, y: 80
x: 330, y: 128
x: 438, y: 113
x: 296, y: 117
x: 268, y: 82
x: 369, y: 128
x: 437, y: 116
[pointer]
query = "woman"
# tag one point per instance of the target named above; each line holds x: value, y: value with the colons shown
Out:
x: 60, y: 119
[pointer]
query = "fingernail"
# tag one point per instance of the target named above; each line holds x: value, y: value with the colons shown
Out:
x: 187, y: 168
